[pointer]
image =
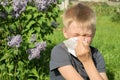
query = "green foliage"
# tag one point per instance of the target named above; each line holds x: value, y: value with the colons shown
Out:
x: 116, y: 15
x: 14, y: 61
x: 103, y: 9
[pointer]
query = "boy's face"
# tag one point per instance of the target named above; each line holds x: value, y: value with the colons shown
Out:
x: 75, y: 31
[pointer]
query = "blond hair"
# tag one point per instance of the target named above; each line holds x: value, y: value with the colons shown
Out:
x: 82, y: 14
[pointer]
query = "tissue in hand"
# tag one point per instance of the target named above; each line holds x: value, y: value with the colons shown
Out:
x: 71, y: 44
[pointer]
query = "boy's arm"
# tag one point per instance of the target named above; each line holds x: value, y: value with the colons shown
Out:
x: 92, y: 71
x: 103, y: 74
x: 69, y: 73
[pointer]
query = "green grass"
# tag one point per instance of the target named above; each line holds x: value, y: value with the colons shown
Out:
x: 106, y: 40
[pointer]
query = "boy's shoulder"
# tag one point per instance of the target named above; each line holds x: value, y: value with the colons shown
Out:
x: 59, y: 46
x: 93, y: 49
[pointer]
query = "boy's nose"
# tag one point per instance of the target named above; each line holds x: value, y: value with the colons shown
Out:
x: 81, y: 37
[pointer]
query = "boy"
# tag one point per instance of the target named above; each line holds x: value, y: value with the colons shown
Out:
x: 87, y: 63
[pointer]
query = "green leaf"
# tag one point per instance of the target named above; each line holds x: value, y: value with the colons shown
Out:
x: 55, y: 9
x: 24, y: 30
x: 30, y: 24
x: 4, y: 57
x: 9, y: 17
x: 28, y: 17
x: 10, y: 66
x: 30, y: 32
x: 50, y: 14
x: 43, y: 19
x: 20, y: 64
x: 30, y: 8
x: 40, y: 22
x: 31, y: 45
x: 37, y: 29
x: 35, y: 15
x: 2, y: 67
x: 13, y: 26
x: 34, y: 71
x: 1, y: 29
x: 8, y: 8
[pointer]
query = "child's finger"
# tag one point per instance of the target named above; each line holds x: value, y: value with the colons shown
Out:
x: 85, y: 42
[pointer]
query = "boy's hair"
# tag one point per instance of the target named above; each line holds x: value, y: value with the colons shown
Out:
x: 82, y: 14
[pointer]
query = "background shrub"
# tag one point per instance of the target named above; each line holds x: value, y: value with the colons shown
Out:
x: 26, y: 22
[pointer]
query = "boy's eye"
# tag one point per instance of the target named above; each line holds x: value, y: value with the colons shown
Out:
x: 85, y: 35
x: 75, y: 35
x: 89, y: 35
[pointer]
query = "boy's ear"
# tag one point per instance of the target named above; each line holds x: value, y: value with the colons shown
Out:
x: 65, y: 32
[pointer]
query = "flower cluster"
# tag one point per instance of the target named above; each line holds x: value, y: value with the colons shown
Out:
x: 33, y: 38
x: 4, y: 2
x: 43, y: 4
x: 14, y: 41
x: 40, y: 45
x: 18, y: 7
x: 35, y: 52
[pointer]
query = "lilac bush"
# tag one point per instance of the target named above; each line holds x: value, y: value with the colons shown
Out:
x: 23, y: 27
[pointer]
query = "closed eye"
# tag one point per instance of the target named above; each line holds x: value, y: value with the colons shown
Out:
x: 76, y: 35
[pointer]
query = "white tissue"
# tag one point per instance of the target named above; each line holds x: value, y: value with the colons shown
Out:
x: 71, y: 44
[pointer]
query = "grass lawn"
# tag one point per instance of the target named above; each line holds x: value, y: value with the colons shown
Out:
x: 107, y: 41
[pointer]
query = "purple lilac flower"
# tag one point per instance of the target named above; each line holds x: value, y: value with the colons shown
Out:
x: 52, y: 1
x: 35, y: 52
x: 14, y: 41
x: 18, y: 7
x: 15, y: 14
x: 33, y: 38
x: 3, y: 15
x: 41, y: 45
x: 4, y: 2
x: 43, y: 4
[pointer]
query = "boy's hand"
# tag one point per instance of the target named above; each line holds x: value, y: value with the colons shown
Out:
x: 83, y: 50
